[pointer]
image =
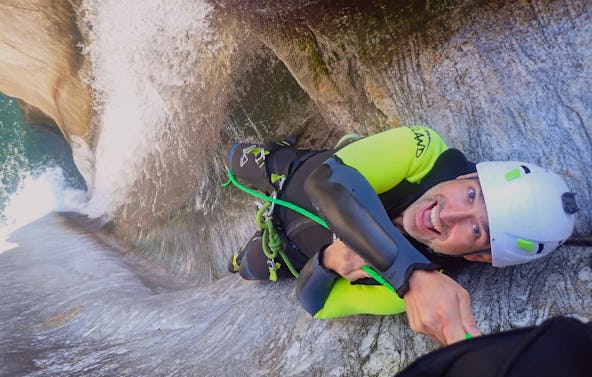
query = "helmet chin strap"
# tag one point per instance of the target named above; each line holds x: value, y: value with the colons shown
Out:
x: 579, y: 241
x: 484, y: 251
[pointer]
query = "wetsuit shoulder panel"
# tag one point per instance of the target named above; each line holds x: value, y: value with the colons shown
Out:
x: 386, y: 158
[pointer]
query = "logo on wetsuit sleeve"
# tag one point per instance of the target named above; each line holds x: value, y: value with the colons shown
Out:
x: 422, y: 139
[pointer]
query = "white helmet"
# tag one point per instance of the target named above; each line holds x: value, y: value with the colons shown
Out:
x: 529, y: 208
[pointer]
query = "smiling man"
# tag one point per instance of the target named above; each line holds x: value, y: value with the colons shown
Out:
x: 399, y: 201
x: 450, y: 218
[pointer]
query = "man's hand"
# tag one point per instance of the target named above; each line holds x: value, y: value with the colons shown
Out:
x: 439, y: 308
x: 343, y: 260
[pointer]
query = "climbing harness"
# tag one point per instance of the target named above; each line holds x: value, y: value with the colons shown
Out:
x: 271, y: 242
x: 269, y: 225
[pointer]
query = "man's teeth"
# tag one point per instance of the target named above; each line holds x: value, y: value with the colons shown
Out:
x: 434, y: 220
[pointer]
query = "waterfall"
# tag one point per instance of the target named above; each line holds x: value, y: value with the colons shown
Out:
x: 148, y: 57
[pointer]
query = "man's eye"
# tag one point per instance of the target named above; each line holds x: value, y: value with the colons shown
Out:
x: 476, y: 231
x: 471, y: 193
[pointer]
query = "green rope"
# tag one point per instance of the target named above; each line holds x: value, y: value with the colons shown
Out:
x: 232, y: 179
x: 272, y: 242
x: 283, y: 203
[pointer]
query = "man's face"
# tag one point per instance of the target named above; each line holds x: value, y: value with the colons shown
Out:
x: 450, y: 218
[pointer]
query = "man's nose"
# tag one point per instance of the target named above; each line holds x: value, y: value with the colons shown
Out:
x: 451, y: 215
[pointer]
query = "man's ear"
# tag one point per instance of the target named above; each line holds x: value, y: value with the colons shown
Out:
x: 468, y: 176
x: 485, y: 257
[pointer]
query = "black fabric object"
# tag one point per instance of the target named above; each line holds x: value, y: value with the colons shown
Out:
x: 314, y: 274
x: 559, y: 347
x: 305, y: 233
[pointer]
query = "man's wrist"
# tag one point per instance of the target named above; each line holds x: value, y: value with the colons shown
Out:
x: 321, y: 259
x: 416, y: 276
x: 399, y: 274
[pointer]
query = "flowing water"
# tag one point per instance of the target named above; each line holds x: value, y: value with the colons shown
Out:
x: 171, y: 91
x: 167, y: 99
x: 37, y: 172
x: 166, y: 104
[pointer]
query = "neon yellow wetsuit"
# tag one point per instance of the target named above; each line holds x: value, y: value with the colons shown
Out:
x: 358, y: 191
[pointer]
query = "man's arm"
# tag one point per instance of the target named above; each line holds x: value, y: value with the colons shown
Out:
x: 314, y: 284
x: 354, y: 212
x: 325, y: 294
x: 436, y: 305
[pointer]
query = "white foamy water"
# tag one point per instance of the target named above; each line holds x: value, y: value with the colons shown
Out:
x: 39, y: 194
x: 146, y: 55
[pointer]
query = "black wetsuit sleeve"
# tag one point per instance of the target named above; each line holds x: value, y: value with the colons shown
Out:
x: 314, y: 285
x: 354, y: 212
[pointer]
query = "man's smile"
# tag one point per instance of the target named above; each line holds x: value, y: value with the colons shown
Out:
x: 434, y: 219
x: 427, y: 219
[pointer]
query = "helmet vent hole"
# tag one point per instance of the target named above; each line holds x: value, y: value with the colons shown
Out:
x: 525, y: 168
x: 541, y: 247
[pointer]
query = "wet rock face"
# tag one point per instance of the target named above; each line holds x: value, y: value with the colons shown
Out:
x: 41, y: 63
x: 73, y: 306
